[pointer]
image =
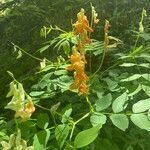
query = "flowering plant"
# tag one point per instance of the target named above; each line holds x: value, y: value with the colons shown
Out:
x: 71, y: 109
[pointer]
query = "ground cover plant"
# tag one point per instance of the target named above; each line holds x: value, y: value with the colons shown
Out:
x: 87, y: 97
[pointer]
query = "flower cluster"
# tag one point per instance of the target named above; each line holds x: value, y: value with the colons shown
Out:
x: 78, y: 61
x: 95, y: 15
x: 78, y: 65
x: 106, y: 36
x: 16, y: 143
x: 21, y: 103
x: 82, y: 28
x: 26, y: 111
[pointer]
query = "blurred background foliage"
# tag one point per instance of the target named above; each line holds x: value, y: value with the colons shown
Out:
x: 21, y: 21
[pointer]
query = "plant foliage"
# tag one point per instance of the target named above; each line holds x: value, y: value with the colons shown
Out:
x: 91, y: 95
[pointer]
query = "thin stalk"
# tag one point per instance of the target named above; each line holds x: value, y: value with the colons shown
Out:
x: 102, y: 61
x: 74, y: 124
x: 50, y: 128
x: 36, y: 58
x: 71, y: 134
x: 126, y: 113
x: 58, y: 29
x: 114, y: 65
x: 90, y: 105
x: 91, y: 25
x: 42, y: 107
x: 85, y: 116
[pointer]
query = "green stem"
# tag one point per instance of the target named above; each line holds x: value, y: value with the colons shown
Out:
x: 126, y: 113
x: 50, y: 128
x: 85, y: 116
x: 36, y: 58
x: 102, y: 61
x: 114, y: 65
x: 137, y: 39
x: 13, y: 77
x: 42, y: 107
x: 74, y: 124
x: 71, y: 134
x: 91, y: 25
x: 90, y: 105
x: 58, y: 29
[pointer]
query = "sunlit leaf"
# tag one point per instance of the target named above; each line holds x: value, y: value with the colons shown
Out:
x: 86, y: 137
x: 104, y: 102
x: 118, y: 104
x: 137, y: 90
x: 120, y: 120
x: 42, y: 49
x: 141, y: 121
x: 127, y: 65
x: 97, y: 118
x: 131, y: 78
x: 66, y: 115
x: 61, y: 133
x: 43, y: 137
x: 146, y: 89
x: 141, y: 106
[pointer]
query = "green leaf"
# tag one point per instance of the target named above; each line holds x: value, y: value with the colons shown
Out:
x: 119, y: 103
x: 13, y: 89
x: 66, y: 47
x: 145, y: 65
x: 146, y: 89
x: 137, y: 90
x: 112, y: 85
x: 141, y: 121
x: 104, y: 102
x: 86, y: 137
x: 36, y: 93
x: 141, y: 106
x: 98, y: 118
x: 11, y: 74
x: 42, y: 121
x: 95, y: 47
x: 127, y: 65
x: 19, y: 54
x: 43, y: 137
x: 131, y: 78
x: 60, y: 72
x: 66, y: 115
x: 146, y: 36
x: 54, y: 108
x: 120, y: 120
x: 136, y: 51
x: 74, y: 39
x: 61, y: 134
x: 43, y: 48
x: 58, y: 45
x: 36, y: 143
x: 146, y: 76
x: 148, y: 115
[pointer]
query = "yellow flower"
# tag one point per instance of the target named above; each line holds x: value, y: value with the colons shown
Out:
x: 78, y: 65
x: 25, y: 113
x: 21, y: 103
x: 95, y: 15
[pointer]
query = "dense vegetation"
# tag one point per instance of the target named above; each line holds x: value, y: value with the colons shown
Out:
x: 75, y: 74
